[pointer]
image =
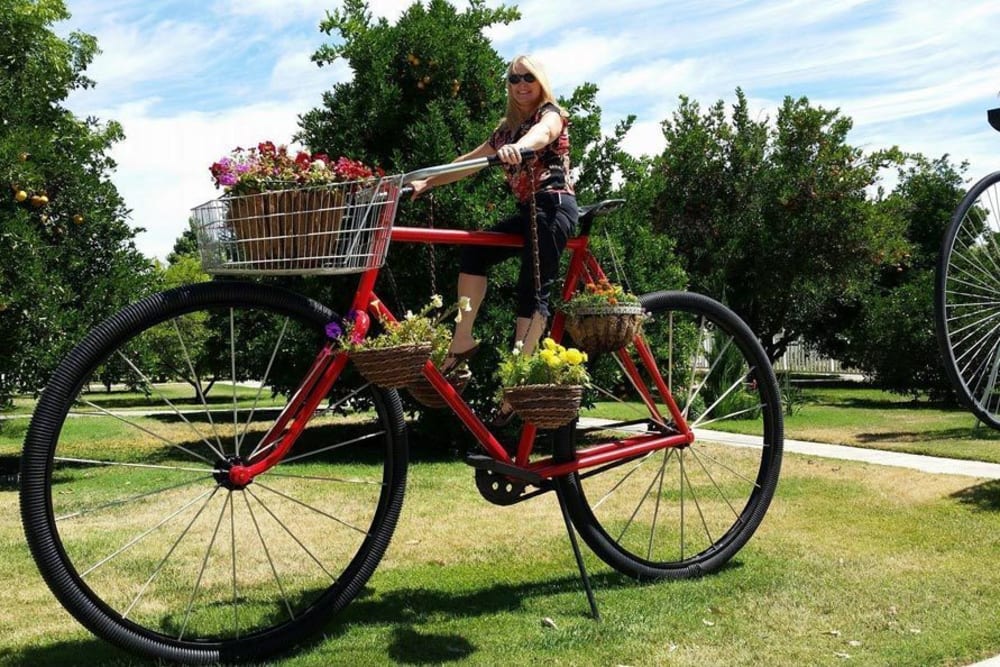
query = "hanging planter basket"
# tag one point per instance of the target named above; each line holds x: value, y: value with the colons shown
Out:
x: 604, y: 328
x: 424, y: 392
x: 393, y: 367
x: 545, y: 405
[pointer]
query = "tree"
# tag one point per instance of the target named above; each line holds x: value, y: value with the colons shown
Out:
x: 67, y: 257
x: 891, y: 336
x: 431, y: 87
x: 774, y: 219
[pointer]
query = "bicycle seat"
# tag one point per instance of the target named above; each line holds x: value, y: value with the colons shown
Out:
x: 591, y: 211
x: 994, y: 117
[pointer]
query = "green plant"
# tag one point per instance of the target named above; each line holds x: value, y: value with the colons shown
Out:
x: 599, y: 295
x: 412, y: 329
x: 550, y: 363
x: 270, y: 167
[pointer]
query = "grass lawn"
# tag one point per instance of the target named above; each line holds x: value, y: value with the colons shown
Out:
x: 855, y: 564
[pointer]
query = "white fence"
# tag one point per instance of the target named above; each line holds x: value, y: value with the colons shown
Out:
x: 799, y: 359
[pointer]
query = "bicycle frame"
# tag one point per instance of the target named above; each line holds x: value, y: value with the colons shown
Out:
x: 583, y: 268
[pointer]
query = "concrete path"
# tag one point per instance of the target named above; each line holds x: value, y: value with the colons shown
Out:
x: 931, y: 464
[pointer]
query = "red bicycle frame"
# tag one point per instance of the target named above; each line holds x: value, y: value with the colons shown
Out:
x: 330, y: 362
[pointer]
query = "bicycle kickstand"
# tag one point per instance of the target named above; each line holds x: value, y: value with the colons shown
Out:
x: 579, y: 557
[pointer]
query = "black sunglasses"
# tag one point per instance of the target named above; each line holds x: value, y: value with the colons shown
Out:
x: 514, y: 79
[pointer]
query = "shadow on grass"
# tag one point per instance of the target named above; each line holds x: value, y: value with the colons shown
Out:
x: 985, y: 496
x: 930, y: 435
x: 71, y: 653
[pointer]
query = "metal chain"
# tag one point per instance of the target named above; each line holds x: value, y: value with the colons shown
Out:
x: 619, y: 274
x: 431, y: 257
x: 537, y: 268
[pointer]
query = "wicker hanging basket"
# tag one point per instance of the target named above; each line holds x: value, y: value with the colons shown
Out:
x: 424, y: 392
x: 545, y: 405
x: 604, y: 328
x: 393, y: 367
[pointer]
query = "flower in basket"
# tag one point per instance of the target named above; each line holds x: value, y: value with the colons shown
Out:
x: 595, y: 297
x: 603, y: 317
x: 268, y: 167
x: 551, y: 363
x: 544, y: 387
x: 400, y: 350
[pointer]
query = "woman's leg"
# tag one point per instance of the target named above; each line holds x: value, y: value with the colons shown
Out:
x: 474, y: 287
x: 529, y: 330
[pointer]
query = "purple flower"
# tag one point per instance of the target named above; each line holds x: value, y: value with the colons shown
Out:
x: 227, y: 179
x: 333, y: 331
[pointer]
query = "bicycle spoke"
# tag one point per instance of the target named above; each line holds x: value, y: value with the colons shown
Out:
x: 201, y: 573
x: 260, y: 388
x: 290, y: 533
x: 270, y: 561
x: 330, y: 448
x: 198, y: 388
x: 131, y: 499
x: 177, y: 412
x: 313, y: 509
x: 147, y: 431
x: 170, y: 551
x: 697, y: 505
x: 210, y: 493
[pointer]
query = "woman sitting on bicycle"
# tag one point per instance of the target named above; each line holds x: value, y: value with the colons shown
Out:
x: 533, y: 121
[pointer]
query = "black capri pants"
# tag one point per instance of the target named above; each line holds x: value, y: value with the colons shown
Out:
x: 557, y: 215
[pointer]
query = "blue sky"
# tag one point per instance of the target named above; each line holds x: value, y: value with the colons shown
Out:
x: 191, y: 80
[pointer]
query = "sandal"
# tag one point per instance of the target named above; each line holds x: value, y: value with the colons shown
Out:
x: 455, y: 359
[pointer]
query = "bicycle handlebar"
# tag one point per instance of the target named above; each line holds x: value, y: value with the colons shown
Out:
x: 465, y: 165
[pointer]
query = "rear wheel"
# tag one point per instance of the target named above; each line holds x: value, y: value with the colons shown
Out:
x: 127, y: 506
x: 967, y: 300
x: 683, y: 511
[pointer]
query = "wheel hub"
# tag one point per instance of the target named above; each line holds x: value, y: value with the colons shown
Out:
x: 233, y: 473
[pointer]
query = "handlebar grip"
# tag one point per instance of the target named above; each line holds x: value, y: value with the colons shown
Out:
x: 526, y: 154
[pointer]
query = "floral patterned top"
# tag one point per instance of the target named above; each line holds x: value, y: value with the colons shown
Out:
x: 549, y: 172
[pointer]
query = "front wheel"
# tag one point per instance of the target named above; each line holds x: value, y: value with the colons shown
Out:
x: 966, y: 303
x: 127, y: 506
x: 684, y: 511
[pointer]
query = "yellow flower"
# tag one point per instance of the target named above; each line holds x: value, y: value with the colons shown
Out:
x: 572, y: 356
x: 550, y: 358
x: 550, y: 344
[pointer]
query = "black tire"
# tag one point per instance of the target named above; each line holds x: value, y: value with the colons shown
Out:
x: 138, y: 534
x: 681, y: 512
x: 967, y: 300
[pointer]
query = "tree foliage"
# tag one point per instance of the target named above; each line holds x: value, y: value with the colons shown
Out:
x: 66, y: 253
x: 890, y: 337
x: 773, y: 219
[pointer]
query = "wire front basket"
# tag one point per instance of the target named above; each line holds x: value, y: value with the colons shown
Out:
x: 333, y: 228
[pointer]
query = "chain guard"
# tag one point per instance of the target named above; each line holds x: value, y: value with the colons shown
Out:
x: 497, y: 488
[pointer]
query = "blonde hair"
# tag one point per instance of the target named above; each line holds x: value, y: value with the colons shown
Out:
x: 515, y: 116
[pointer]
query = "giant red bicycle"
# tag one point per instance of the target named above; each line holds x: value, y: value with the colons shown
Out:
x: 232, y: 525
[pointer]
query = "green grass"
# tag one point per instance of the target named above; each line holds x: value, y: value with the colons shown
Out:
x: 890, y: 567
x: 886, y: 566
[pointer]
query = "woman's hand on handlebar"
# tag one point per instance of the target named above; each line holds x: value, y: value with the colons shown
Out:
x: 510, y: 154
x: 419, y: 187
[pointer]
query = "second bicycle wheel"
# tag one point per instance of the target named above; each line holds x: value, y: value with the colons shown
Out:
x: 967, y: 300
x: 127, y: 506
x: 683, y: 511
